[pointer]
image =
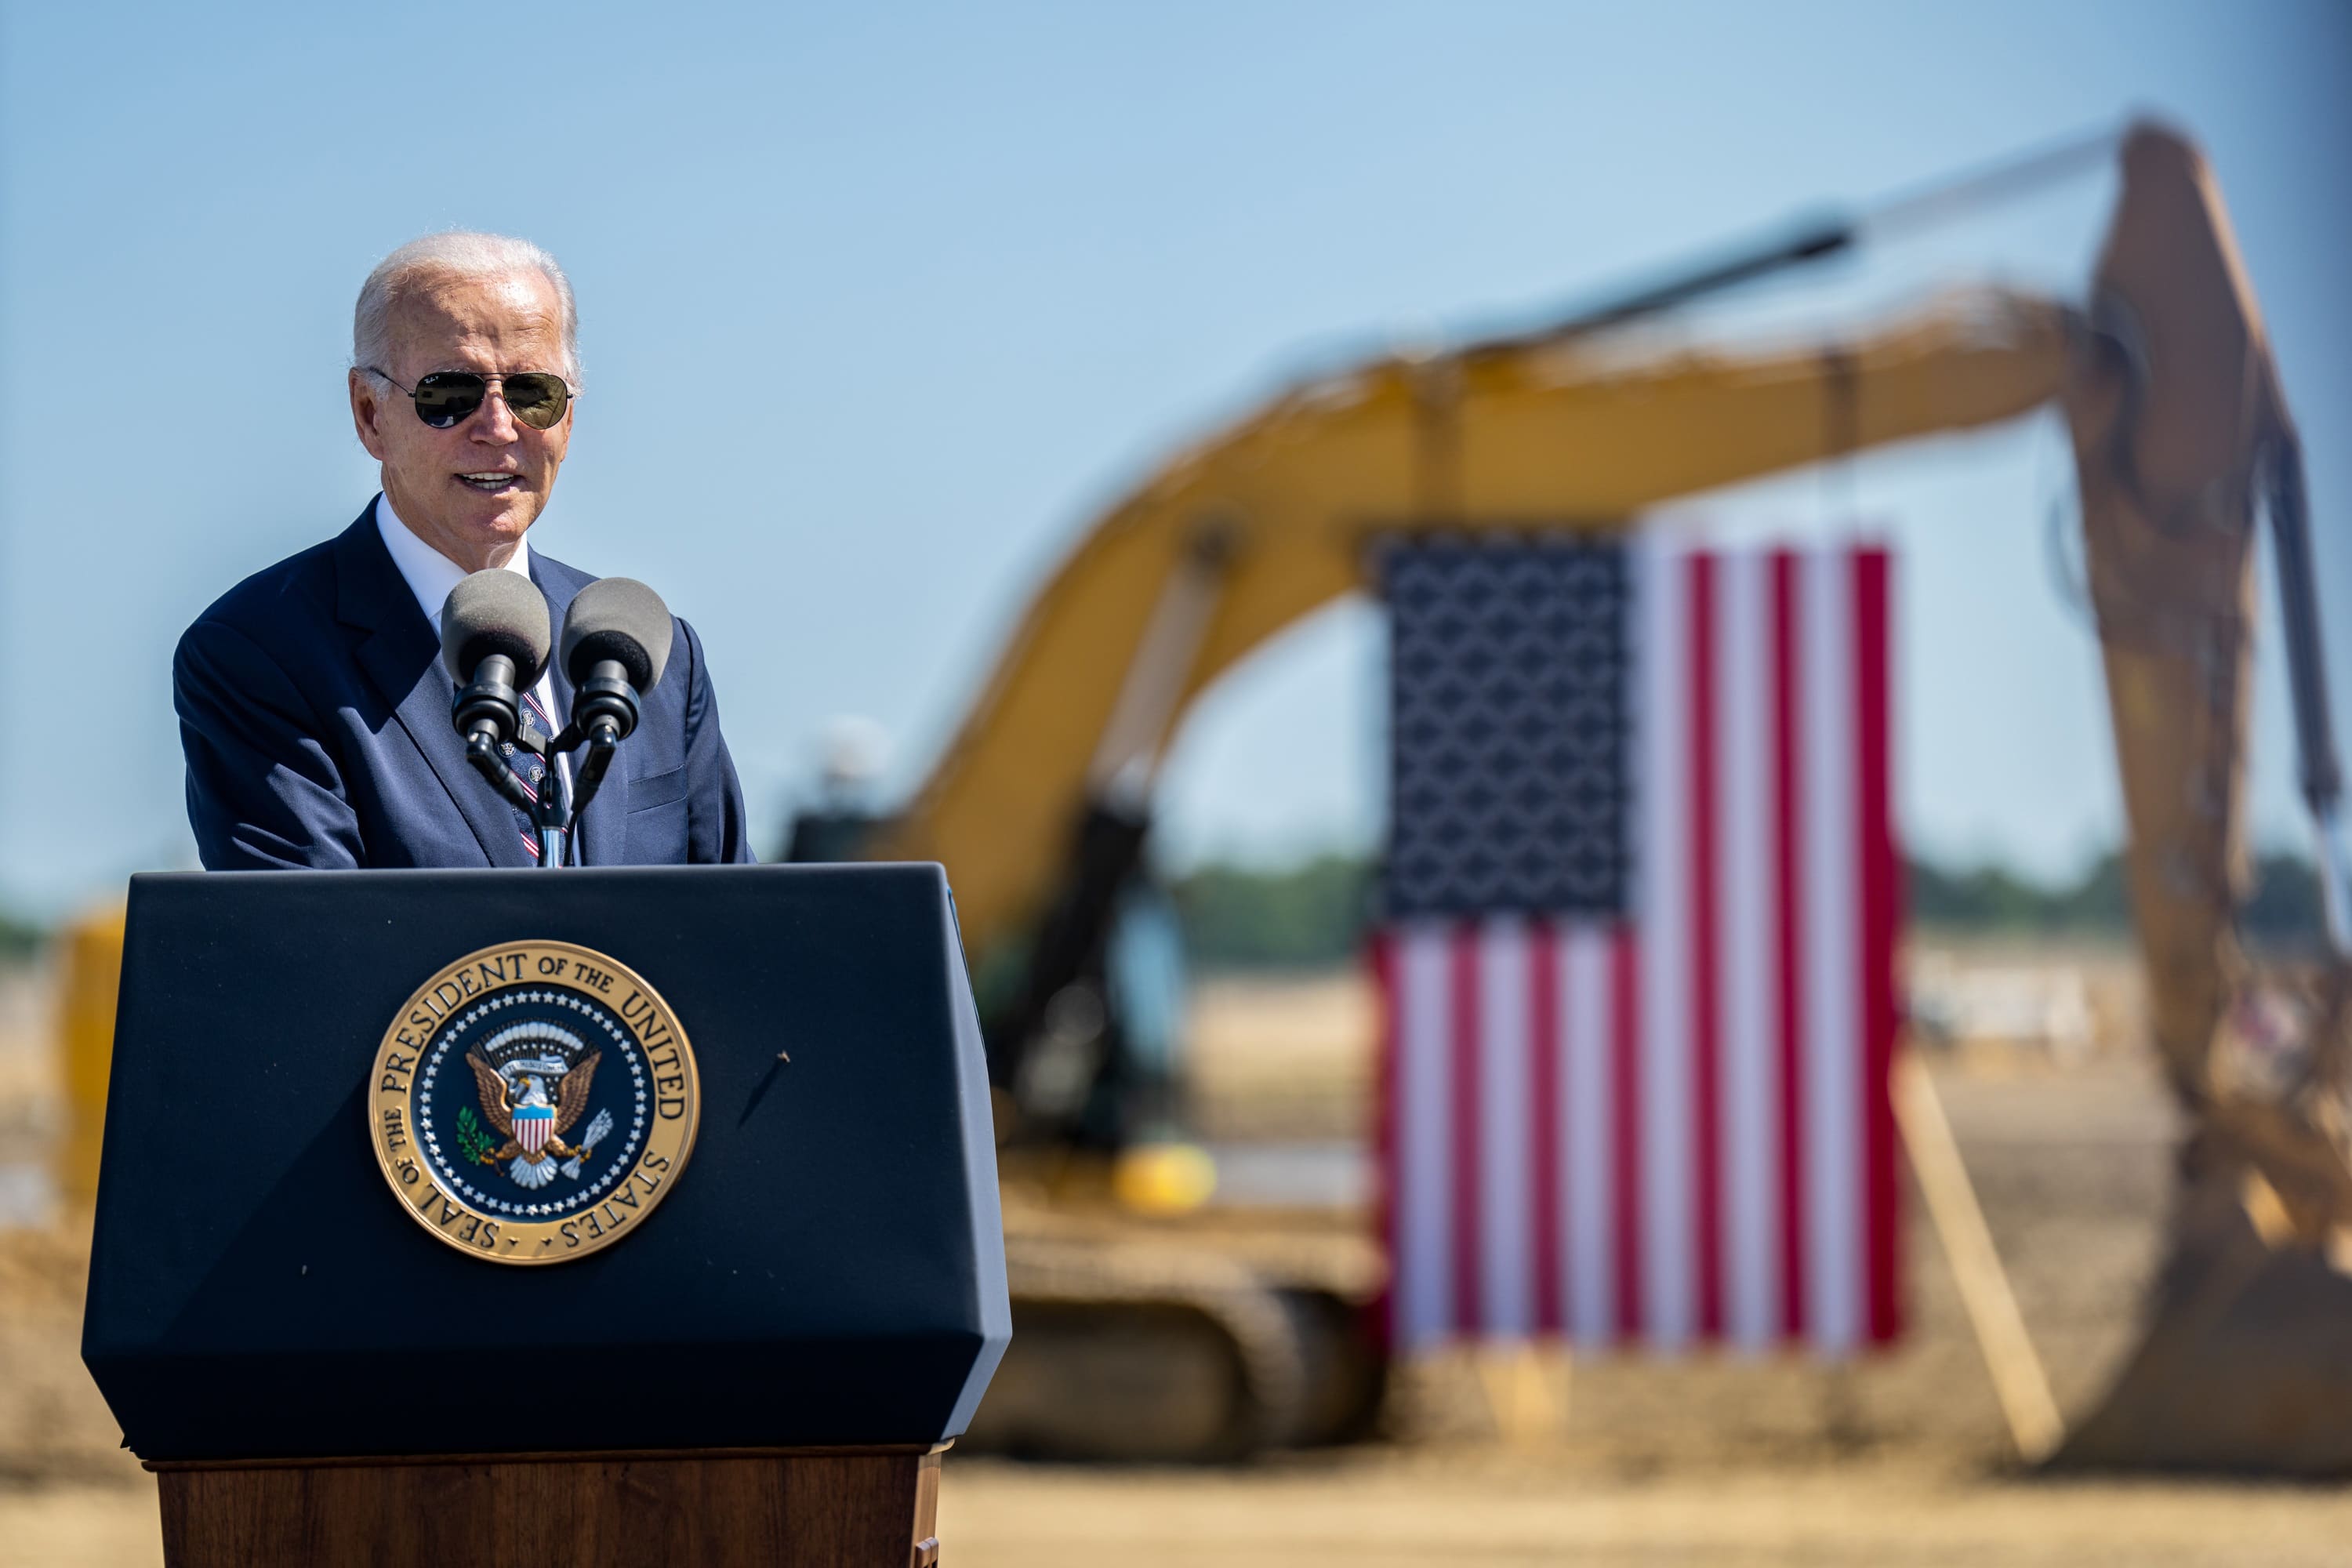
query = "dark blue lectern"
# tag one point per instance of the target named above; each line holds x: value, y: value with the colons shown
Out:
x: 486, y: 1217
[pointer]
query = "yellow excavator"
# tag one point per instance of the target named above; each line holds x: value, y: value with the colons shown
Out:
x: 1209, y: 1336
x: 1206, y: 1336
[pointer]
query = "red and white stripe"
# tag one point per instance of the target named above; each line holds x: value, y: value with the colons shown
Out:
x: 1676, y: 1128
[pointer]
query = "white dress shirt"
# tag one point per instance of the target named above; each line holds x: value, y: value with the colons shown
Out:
x: 431, y: 575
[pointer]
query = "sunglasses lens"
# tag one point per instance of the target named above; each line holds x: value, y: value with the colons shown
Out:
x: 449, y: 397
x: 537, y: 398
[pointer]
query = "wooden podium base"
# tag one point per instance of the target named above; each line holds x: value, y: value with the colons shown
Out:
x: 778, y: 1508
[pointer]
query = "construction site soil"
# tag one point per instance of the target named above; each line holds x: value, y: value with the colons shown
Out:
x: 1899, y: 1458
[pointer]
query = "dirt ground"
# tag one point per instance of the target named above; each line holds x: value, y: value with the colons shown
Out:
x: 1899, y: 1459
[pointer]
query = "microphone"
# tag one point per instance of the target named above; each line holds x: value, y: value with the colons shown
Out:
x: 494, y: 641
x: 617, y: 639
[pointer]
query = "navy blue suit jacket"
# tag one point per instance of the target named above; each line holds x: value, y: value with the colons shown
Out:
x: 315, y: 715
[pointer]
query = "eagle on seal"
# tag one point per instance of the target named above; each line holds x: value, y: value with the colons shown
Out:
x: 532, y: 1124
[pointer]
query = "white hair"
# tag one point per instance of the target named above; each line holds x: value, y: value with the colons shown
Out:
x: 464, y: 255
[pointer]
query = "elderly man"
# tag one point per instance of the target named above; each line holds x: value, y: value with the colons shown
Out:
x: 314, y: 710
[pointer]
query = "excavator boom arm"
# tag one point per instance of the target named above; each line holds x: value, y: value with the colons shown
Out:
x: 1274, y: 518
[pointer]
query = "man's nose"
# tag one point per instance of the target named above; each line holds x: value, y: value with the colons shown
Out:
x: 494, y: 425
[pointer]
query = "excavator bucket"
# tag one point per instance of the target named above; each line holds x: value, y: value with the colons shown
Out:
x: 2245, y: 1365
x: 2246, y: 1359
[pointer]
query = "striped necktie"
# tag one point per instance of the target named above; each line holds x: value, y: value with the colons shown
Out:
x: 532, y: 768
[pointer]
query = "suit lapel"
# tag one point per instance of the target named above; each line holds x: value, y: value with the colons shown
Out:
x: 603, y: 827
x: 402, y: 659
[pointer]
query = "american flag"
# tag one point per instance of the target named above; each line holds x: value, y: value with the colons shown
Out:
x: 1637, y: 956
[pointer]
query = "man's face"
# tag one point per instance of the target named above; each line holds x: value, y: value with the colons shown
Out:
x: 470, y: 491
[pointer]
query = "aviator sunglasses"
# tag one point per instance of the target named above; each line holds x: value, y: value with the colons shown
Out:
x: 449, y: 397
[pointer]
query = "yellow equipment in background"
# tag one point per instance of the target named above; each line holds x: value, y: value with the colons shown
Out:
x: 89, y: 976
x: 1238, y: 539
x: 1039, y: 807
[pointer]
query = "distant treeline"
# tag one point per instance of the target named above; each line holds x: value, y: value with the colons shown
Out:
x: 2281, y: 914
x: 1309, y: 916
x: 19, y: 939
x: 1314, y: 915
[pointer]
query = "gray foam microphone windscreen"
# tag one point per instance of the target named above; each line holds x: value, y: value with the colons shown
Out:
x: 496, y: 611
x: 618, y: 618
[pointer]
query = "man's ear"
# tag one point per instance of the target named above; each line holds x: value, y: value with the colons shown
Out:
x: 367, y: 408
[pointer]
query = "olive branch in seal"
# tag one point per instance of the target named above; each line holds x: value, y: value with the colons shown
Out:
x: 476, y: 1144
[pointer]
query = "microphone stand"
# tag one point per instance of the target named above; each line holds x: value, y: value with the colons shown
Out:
x: 604, y: 712
x: 551, y: 815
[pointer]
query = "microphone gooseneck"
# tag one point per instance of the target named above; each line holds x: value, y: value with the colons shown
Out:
x: 604, y: 705
x: 488, y: 706
x: 495, y: 638
x: 615, y: 644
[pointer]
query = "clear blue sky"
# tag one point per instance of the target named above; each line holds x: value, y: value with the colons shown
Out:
x: 880, y: 304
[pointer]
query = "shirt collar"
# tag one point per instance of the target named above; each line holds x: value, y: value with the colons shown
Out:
x: 429, y: 573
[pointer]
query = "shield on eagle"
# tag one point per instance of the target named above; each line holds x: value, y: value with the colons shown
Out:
x: 532, y: 1124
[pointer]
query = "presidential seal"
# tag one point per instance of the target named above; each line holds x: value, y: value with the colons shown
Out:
x: 532, y: 1102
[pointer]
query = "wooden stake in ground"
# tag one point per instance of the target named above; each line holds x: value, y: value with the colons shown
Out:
x: 2019, y: 1381
x: 1526, y: 1387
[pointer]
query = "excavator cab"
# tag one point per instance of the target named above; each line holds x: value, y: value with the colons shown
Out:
x: 1083, y: 1019
x: 1094, y: 1071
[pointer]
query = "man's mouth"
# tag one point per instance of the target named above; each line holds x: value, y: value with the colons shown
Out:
x: 492, y: 484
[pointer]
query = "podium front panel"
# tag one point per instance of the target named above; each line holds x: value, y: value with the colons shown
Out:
x: 827, y: 1268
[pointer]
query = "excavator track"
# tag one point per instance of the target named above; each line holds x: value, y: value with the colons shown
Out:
x: 1157, y: 1345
